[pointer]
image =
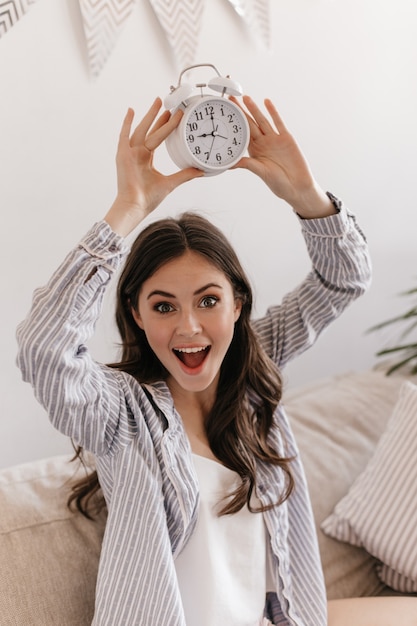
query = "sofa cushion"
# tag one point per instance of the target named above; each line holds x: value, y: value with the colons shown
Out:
x: 48, y: 554
x: 337, y: 422
x: 379, y: 512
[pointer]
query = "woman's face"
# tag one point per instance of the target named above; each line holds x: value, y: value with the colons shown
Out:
x: 187, y: 310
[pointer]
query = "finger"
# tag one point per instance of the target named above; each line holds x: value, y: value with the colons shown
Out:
x: 162, y: 119
x: 143, y: 127
x: 276, y: 118
x: 253, y: 126
x: 126, y: 126
x: 250, y: 164
x: 161, y: 130
x: 261, y: 120
x: 183, y: 176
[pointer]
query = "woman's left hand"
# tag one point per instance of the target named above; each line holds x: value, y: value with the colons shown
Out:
x: 276, y: 158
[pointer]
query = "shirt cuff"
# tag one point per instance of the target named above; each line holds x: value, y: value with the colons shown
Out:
x: 101, y: 242
x: 331, y: 226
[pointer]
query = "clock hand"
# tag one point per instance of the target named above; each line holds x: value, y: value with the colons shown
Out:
x: 216, y: 134
x: 212, y: 134
x: 211, y: 147
x: 214, y: 129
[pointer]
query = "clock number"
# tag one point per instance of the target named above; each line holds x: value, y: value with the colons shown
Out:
x: 197, y: 150
x: 210, y: 110
x: 235, y: 128
x: 235, y: 142
x: 218, y: 157
x: 198, y: 115
x: 229, y: 152
x: 193, y: 126
x: 191, y: 138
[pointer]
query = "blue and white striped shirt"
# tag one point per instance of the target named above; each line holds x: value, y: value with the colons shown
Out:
x: 143, y: 456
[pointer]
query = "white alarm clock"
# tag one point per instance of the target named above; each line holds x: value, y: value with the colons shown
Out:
x: 213, y: 133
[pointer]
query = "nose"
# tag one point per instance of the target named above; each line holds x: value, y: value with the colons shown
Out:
x: 188, y: 324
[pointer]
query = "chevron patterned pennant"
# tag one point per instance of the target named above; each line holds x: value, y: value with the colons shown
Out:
x: 181, y: 22
x: 11, y: 11
x: 103, y: 21
x: 256, y: 14
x: 262, y: 18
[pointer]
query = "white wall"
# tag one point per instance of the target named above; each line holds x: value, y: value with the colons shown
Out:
x: 343, y: 75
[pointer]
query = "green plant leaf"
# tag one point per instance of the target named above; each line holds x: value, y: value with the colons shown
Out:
x: 405, y: 352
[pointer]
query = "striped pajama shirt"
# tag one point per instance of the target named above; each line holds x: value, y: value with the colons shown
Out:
x: 142, y: 454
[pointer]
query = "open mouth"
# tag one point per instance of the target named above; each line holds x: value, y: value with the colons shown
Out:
x: 192, y: 357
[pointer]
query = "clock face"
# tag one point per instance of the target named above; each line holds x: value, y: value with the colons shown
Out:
x: 216, y: 133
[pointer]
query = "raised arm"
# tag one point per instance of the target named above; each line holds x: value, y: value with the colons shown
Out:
x: 84, y: 399
x: 340, y: 273
x: 341, y: 268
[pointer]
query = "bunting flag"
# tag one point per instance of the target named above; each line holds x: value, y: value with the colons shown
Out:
x: 103, y: 21
x: 11, y: 11
x: 256, y: 14
x: 181, y: 22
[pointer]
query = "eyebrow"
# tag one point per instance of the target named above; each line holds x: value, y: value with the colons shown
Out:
x: 166, y: 294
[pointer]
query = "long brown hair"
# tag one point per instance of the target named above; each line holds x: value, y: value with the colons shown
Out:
x: 237, y: 430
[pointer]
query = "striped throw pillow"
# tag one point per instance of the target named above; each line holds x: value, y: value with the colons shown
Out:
x: 379, y: 513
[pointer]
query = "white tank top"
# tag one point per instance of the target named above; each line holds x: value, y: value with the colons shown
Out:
x: 222, y: 571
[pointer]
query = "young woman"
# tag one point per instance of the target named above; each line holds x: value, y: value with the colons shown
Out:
x: 209, y: 520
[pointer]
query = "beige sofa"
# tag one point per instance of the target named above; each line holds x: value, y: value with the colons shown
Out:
x: 49, y: 556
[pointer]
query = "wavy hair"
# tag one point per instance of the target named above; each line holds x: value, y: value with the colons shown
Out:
x: 237, y: 429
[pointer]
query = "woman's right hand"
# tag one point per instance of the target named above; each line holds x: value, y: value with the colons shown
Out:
x: 140, y: 187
